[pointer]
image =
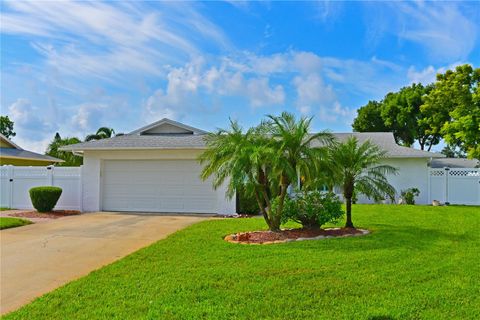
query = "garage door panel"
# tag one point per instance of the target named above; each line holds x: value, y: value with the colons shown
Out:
x: 156, y: 186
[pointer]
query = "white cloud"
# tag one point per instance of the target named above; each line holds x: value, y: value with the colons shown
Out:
x: 39, y: 146
x: 312, y: 92
x: 90, y: 116
x: 445, y: 30
x: 31, y: 120
x: 103, y: 40
x: 195, y: 85
x: 260, y: 93
x: 428, y: 74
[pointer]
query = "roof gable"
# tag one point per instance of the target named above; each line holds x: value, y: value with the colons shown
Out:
x: 167, y: 127
x: 7, y: 142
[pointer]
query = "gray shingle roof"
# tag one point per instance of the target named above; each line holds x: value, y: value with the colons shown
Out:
x: 454, y: 163
x: 24, y: 154
x: 384, y: 140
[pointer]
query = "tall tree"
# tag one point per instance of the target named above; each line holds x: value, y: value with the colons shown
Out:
x: 102, y: 133
x: 400, y: 113
x: 358, y: 170
x: 453, y: 107
x: 6, y: 127
x: 71, y: 160
x: 264, y: 160
x: 369, y: 118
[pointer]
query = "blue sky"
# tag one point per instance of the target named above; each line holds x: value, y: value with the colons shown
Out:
x: 72, y: 67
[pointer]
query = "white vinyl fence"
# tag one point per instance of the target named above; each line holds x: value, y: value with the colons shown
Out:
x: 16, y: 181
x: 455, y: 185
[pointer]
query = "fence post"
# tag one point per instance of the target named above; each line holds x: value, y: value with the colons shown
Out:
x: 10, y: 185
x: 81, y: 188
x: 49, y: 176
x: 446, y: 186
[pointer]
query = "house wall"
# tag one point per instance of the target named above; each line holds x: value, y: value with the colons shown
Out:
x: 167, y: 128
x: 92, y: 169
x: 413, y: 173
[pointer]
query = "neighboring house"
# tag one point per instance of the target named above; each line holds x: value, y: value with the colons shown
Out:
x: 12, y: 154
x: 155, y: 169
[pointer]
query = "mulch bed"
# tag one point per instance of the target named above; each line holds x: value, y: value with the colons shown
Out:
x: 268, y: 237
x: 51, y: 215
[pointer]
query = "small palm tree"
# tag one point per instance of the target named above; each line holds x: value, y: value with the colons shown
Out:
x: 102, y: 133
x: 357, y: 168
x: 293, y: 140
x: 242, y: 159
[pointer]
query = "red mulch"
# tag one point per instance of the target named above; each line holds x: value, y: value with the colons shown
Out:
x: 52, y: 214
x: 290, y: 234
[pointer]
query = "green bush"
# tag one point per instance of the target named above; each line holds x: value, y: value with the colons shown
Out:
x: 409, y: 195
x: 312, y: 209
x: 44, y: 199
x: 247, y: 204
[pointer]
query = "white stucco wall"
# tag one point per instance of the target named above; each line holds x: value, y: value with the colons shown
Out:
x: 412, y: 173
x: 92, y: 169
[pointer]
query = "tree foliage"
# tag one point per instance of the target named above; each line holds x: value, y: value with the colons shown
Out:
x: 263, y: 161
x: 369, y: 118
x: 71, y: 160
x: 6, y: 127
x: 102, y: 133
x: 453, y: 107
x: 400, y: 113
x: 357, y: 169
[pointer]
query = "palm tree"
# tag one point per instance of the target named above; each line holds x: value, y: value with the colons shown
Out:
x: 264, y: 161
x: 70, y: 159
x: 241, y: 158
x: 357, y: 168
x: 102, y: 133
x: 297, y: 157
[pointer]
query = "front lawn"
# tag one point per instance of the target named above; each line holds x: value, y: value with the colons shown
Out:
x: 418, y: 263
x: 7, y: 222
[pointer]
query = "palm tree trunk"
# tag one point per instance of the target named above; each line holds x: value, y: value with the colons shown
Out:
x: 261, y: 205
x: 349, y: 223
x: 277, y: 216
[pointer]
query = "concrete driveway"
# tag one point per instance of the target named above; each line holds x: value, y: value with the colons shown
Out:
x: 38, y: 258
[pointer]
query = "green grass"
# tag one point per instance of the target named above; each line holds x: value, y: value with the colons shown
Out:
x: 7, y: 222
x: 419, y: 263
x: 5, y: 208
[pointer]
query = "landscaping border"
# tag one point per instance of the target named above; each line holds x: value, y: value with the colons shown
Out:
x: 231, y: 237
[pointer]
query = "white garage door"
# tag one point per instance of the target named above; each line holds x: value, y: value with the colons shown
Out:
x: 156, y: 186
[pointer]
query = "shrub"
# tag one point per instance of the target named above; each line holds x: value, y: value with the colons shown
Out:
x: 44, y: 199
x: 409, y: 195
x: 247, y: 204
x: 313, y: 209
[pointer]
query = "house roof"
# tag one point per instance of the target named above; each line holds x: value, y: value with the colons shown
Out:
x: 386, y: 141
x: 9, y: 142
x: 454, y: 163
x: 136, y: 140
x: 170, y: 122
x: 26, y: 155
x: 17, y: 152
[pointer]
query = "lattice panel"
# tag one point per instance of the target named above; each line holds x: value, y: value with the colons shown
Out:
x: 437, y: 173
x: 464, y: 173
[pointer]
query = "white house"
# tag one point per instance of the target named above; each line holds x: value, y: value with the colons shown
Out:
x: 155, y: 169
